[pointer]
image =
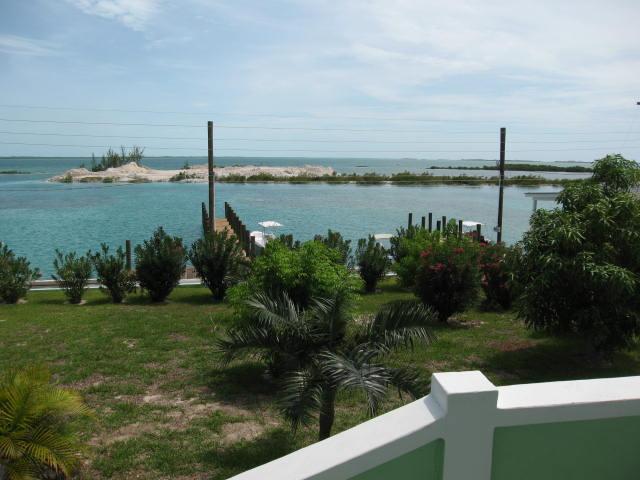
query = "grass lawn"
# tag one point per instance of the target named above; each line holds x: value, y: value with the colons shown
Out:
x: 166, y: 408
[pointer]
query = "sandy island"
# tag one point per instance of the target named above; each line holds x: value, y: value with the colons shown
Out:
x: 133, y: 173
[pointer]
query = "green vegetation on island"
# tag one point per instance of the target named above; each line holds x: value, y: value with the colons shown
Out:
x: 523, y: 167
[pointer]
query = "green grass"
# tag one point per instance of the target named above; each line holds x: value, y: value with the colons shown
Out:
x: 166, y: 408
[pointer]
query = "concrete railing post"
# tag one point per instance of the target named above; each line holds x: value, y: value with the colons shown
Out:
x: 470, y: 403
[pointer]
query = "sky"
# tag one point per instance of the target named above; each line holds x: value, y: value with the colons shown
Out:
x: 349, y: 78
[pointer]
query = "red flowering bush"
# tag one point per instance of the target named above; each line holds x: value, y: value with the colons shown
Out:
x: 448, y: 276
x: 497, y: 263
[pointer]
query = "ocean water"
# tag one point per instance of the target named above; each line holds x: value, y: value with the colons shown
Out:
x: 37, y: 217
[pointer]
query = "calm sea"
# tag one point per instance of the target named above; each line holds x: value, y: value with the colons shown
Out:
x: 37, y: 217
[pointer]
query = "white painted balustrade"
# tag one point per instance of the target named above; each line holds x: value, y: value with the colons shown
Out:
x: 579, y: 428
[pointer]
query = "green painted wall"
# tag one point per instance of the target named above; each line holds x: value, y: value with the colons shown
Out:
x: 594, y: 449
x: 423, y: 463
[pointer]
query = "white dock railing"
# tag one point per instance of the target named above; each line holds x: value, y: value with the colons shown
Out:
x: 468, y: 428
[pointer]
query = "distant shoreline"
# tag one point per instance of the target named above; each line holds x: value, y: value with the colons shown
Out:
x: 133, y: 173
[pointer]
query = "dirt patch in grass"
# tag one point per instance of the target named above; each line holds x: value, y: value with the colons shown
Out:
x: 177, y: 337
x: 511, y: 345
x: 93, y: 380
x: 235, y: 432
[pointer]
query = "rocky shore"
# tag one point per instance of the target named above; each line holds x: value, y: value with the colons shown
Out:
x: 133, y: 173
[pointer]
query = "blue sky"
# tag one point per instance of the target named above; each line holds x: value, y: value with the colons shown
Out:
x: 408, y: 78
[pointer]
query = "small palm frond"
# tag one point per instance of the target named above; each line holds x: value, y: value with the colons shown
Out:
x: 273, y: 312
x: 329, y: 318
x: 407, y: 380
x: 246, y: 341
x: 301, y: 396
x: 274, y: 327
x: 35, y: 425
x: 356, y: 371
x: 398, y: 325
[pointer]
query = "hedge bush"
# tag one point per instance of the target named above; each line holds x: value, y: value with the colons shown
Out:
x: 160, y: 263
x: 16, y: 275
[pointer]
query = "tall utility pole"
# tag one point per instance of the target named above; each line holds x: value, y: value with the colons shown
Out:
x: 503, y: 138
x: 212, y: 191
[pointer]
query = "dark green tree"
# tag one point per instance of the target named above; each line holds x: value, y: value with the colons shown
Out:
x: 373, y: 262
x: 160, y: 263
x: 317, y: 351
x: 336, y: 241
x: 114, y: 278
x: 72, y: 274
x: 219, y: 260
x: 580, y: 262
x: 16, y: 275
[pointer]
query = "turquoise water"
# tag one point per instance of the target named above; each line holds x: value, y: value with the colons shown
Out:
x: 37, y: 217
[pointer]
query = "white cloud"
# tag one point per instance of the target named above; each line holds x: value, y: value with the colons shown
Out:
x: 134, y: 14
x: 542, y: 61
x: 18, y: 45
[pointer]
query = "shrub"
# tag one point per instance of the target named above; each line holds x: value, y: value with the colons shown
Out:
x: 373, y: 262
x: 114, y: 277
x: 448, y: 276
x: 160, y: 262
x: 288, y: 240
x: 406, y: 247
x: 318, y: 351
x: 112, y: 159
x: 312, y: 270
x: 580, y: 262
x: 498, y: 263
x: 16, y: 275
x: 37, y: 426
x: 72, y: 274
x: 335, y: 241
x: 219, y: 261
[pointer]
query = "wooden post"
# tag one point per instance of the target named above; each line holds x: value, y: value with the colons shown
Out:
x: 503, y: 138
x: 430, y: 221
x: 479, y: 231
x: 252, y: 246
x: 438, y: 226
x: 410, y: 221
x: 459, y: 228
x: 205, y: 219
x: 444, y: 224
x: 424, y: 222
x: 127, y: 249
x: 212, y: 192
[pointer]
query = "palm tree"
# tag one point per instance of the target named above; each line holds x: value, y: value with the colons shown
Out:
x: 318, y: 351
x: 35, y: 432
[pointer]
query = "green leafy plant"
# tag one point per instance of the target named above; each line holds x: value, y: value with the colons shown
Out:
x: 72, y: 274
x: 406, y: 247
x: 498, y: 263
x: 114, y: 277
x: 113, y: 159
x: 317, y: 351
x: 580, y: 262
x: 160, y: 263
x: 373, y: 262
x: 448, y: 276
x: 16, y: 275
x: 37, y: 426
x: 219, y: 260
x: 311, y: 270
x: 336, y: 241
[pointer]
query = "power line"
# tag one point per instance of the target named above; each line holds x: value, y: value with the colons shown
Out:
x: 298, y: 140
x: 305, y: 150
x: 307, y: 115
x: 296, y: 128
